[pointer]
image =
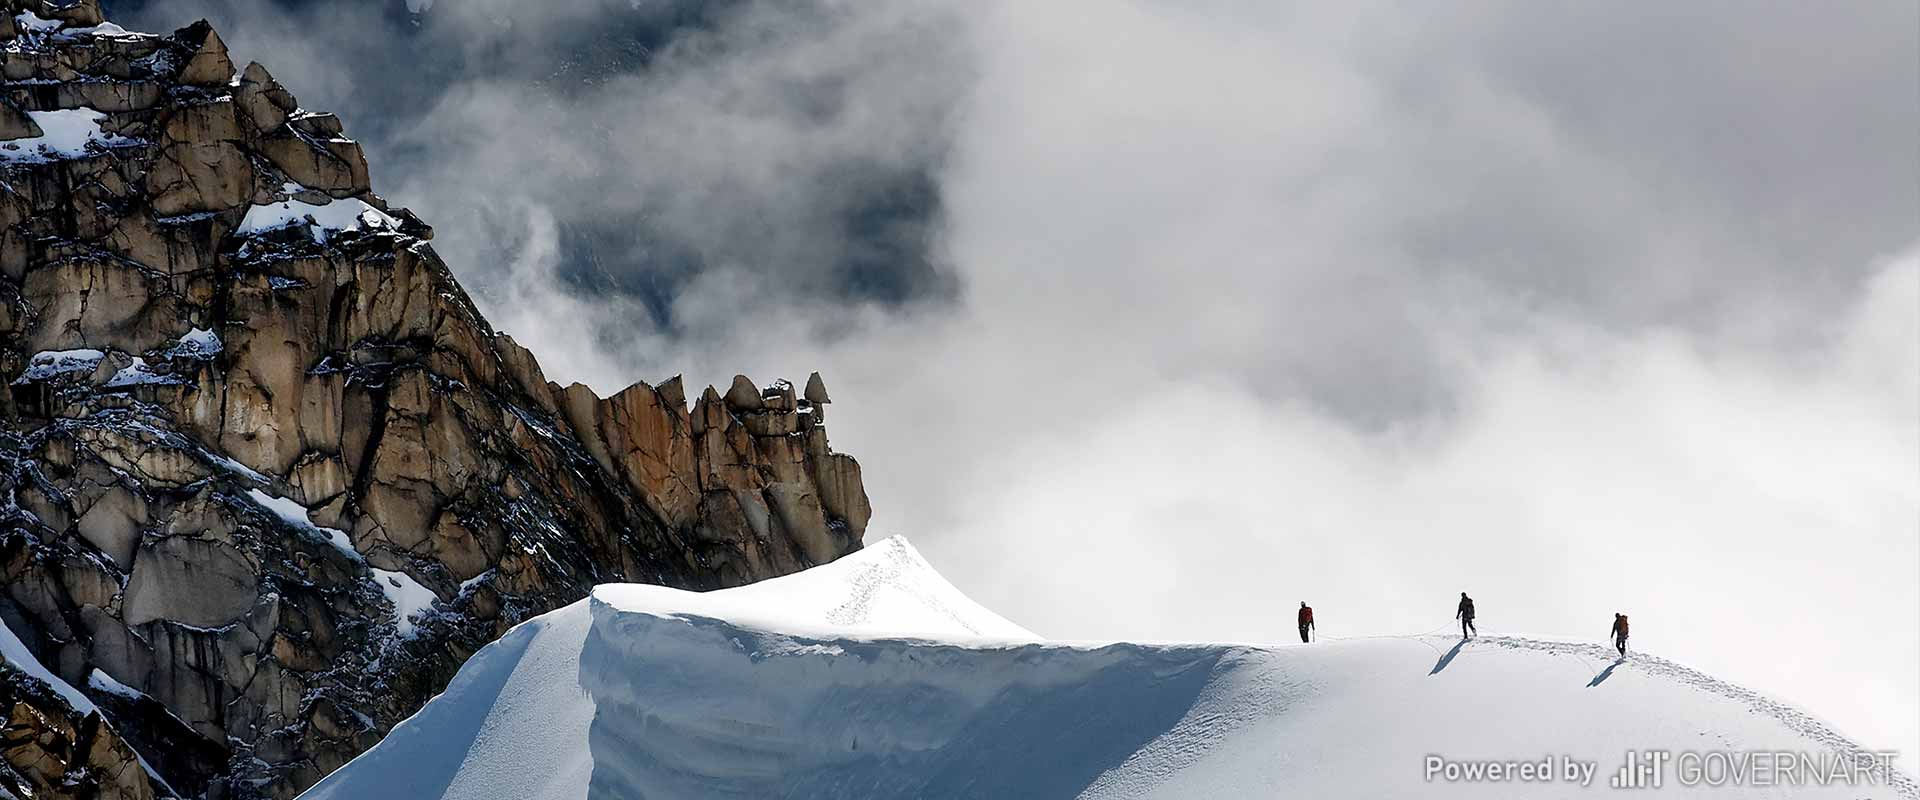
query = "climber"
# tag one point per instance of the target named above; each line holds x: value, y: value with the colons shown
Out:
x: 1465, y: 615
x: 1620, y: 633
x: 1306, y: 620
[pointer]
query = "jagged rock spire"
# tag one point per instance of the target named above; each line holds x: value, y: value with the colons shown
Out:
x: 816, y: 392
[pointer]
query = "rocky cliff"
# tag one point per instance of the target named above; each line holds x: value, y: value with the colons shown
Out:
x: 267, y: 477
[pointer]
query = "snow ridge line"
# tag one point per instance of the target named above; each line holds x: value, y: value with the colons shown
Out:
x: 896, y: 561
x: 1794, y: 719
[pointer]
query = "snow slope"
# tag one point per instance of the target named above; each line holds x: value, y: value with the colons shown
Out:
x: 874, y: 677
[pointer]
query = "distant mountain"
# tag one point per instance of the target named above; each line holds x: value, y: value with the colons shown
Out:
x: 874, y: 677
x: 267, y: 477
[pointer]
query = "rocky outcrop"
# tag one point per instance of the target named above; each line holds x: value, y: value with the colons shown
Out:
x: 267, y: 470
x: 15, y: 124
x: 49, y: 749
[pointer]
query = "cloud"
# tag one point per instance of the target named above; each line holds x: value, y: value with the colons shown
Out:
x: 667, y: 140
x: 1153, y: 319
x: 1244, y: 324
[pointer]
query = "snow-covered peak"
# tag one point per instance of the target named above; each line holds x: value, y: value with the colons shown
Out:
x: 886, y: 590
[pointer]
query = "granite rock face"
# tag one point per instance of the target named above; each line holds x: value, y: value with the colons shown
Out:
x: 267, y: 477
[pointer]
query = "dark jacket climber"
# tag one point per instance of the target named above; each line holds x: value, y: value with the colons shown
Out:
x: 1620, y: 633
x: 1306, y: 620
x: 1465, y: 615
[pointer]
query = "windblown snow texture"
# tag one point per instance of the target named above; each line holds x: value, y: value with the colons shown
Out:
x: 874, y: 677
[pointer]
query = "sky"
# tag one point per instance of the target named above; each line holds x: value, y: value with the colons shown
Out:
x: 1152, y: 320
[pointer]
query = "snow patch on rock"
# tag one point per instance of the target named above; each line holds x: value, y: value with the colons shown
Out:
x: 410, y: 599
x: 294, y: 514
x: 65, y: 133
x: 322, y: 220
x: 102, y: 29
x: 48, y: 363
x: 198, y: 343
x: 29, y: 22
x: 139, y: 373
x: 101, y: 681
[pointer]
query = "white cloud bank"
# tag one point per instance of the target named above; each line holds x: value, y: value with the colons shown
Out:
x: 1208, y: 362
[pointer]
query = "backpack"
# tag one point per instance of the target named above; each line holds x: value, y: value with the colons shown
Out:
x: 1620, y: 624
x: 1306, y: 615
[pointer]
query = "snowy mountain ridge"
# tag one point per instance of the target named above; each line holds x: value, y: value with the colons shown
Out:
x: 888, y: 592
x: 873, y: 677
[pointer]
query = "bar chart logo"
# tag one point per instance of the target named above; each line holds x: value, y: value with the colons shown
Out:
x: 1642, y: 770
